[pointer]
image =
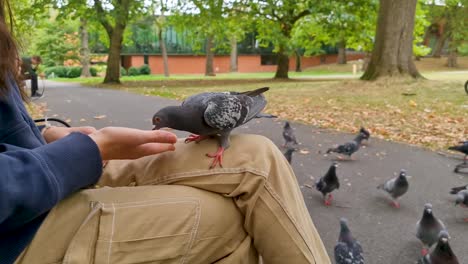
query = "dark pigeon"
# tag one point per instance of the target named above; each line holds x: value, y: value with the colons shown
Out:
x: 396, y: 187
x: 442, y: 253
x: 347, y: 250
x: 328, y: 183
x: 289, y: 135
x: 428, y: 228
x: 349, y: 147
x: 365, y: 132
x: 288, y: 154
x: 212, y: 114
x: 463, y: 148
x: 462, y: 200
x: 456, y: 190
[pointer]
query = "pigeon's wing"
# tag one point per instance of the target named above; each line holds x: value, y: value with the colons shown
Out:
x: 320, y: 184
x: 225, y: 111
x: 288, y: 135
x: 348, y: 255
x: 389, y: 185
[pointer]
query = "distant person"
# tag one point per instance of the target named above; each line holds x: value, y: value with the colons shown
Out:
x: 29, y: 71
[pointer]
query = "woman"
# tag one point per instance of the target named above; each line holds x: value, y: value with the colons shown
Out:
x: 151, y: 204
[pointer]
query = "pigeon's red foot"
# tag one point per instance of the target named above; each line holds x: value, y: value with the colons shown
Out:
x: 465, y: 220
x: 395, y: 204
x: 424, y: 251
x: 194, y: 138
x: 217, y: 157
x: 328, y: 201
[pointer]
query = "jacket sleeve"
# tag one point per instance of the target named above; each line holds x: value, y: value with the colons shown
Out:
x: 32, y: 181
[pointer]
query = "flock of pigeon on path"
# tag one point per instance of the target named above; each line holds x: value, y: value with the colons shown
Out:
x: 216, y: 114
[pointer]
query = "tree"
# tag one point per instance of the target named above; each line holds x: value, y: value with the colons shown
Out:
x: 84, y: 50
x: 207, y: 26
x: 161, y: 25
x: 393, y: 50
x: 275, y: 24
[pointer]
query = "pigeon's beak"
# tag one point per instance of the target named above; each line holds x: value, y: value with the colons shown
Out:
x: 155, y: 128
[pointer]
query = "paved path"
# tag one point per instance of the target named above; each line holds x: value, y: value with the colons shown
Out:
x: 387, y: 234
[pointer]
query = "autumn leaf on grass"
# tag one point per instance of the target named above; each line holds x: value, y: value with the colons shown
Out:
x: 412, y: 103
x: 100, y: 116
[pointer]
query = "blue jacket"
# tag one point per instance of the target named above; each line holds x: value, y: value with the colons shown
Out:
x: 35, y: 176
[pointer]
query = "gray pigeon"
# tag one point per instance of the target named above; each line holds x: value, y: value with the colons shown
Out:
x: 288, y: 154
x: 442, y: 253
x: 396, y: 187
x: 428, y: 228
x: 289, y: 135
x: 350, y: 147
x: 328, y: 183
x: 347, y: 250
x: 462, y: 200
x: 212, y: 114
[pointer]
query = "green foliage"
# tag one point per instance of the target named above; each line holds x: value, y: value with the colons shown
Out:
x: 421, y: 23
x: 133, y: 71
x: 56, y: 43
x: 93, y: 71
x: 463, y: 49
x: 123, y: 71
x: 144, y: 70
x: 67, y: 71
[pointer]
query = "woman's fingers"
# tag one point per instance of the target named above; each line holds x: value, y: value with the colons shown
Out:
x: 152, y: 148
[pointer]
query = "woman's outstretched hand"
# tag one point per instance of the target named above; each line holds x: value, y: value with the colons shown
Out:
x: 130, y: 143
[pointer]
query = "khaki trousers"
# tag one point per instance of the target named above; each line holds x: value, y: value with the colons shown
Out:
x: 170, y: 208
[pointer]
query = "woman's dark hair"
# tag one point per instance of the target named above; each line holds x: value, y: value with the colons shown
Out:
x: 9, y: 57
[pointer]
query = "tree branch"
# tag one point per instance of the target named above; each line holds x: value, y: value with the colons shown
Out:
x: 102, y: 17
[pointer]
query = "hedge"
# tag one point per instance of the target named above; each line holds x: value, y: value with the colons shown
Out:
x: 67, y: 71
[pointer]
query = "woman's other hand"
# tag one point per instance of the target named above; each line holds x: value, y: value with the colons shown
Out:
x: 54, y: 133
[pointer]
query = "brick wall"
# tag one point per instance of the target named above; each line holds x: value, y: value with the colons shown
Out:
x: 195, y: 64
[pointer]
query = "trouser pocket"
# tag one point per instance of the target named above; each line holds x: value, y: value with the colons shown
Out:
x: 152, y: 231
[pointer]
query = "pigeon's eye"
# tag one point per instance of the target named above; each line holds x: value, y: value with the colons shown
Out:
x: 157, y: 120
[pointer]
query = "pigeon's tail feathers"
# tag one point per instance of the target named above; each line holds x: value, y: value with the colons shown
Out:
x: 256, y: 91
x: 456, y: 190
x: 257, y: 106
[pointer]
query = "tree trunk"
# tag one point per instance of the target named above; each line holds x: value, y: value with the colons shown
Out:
x: 113, y: 61
x: 162, y: 45
x: 283, y: 65
x: 298, y: 61
x: 341, y: 52
x: 452, y: 56
x: 233, y: 57
x: 439, y: 46
x: 365, y: 63
x: 209, y: 57
x: 393, y: 50
x: 84, y: 50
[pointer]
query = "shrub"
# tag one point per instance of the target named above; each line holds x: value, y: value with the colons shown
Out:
x: 145, y: 70
x: 133, y: 71
x: 73, y: 72
x: 123, y: 71
x: 58, y: 71
x: 93, y: 71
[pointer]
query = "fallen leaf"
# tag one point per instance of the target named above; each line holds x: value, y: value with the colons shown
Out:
x: 100, y: 116
x: 304, y: 152
x: 82, y: 120
x: 308, y: 186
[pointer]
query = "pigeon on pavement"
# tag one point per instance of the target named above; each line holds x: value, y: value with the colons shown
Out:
x: 365, y: 132
x: 428, y: 228
x: 328, y: 183
x: 289, y: 135
x: 442, y: 253
x: 396, y: 187
x: 212, y: 114
x: 347, y: 250
x: 462, y: 200
x: 456, y: 190
x: 463, y: 148
x: 288, y: 154
x: 350, y: 147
